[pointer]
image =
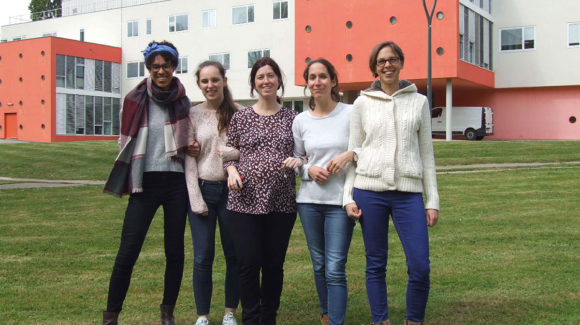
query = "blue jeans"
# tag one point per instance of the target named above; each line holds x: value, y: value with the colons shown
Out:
x: 159, y: 188
x: 215, y: 195
x: 408, y: 213
x: 328, y: 233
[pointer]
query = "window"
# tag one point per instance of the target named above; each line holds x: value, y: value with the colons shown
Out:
x: 517, y: 38
x: 49, y: 34
x: 87, y: 115
x: 208, y: 19
x: 242, y: 15
x: 60, y: 70
x: 223, y: 58
x: 82, y: 35
x: 178, y: 23
x: 280, y: 10
x: 253, y: 56
x: 475, y: 43
x: 135, y: 69
x: 103, y: 76
x: 132, y: 28
x: 148, y: 27
x: 181, y: 65
x: 80, y: 73
x: 297, y: 105
x: 574, y: 34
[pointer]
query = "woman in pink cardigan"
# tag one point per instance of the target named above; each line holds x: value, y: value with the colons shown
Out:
x: 208, y: 190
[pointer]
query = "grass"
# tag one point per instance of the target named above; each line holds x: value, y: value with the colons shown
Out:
x: 92, y: 160
x: 506, y: 249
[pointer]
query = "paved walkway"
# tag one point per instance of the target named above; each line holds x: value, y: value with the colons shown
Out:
x: 451, y: 169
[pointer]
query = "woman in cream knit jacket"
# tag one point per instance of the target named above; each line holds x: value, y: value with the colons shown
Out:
x: 390, y: 132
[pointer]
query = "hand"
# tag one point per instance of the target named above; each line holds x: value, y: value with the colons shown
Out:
x: 352, y: 211
x: 234, y: 179
x: 432, y: 217
x: 193, y: 149
x: 319, y: 175
x: 336, y: 164
x: 292, y: 162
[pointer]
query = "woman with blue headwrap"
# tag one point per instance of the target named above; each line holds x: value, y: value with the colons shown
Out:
x: 155, y: 130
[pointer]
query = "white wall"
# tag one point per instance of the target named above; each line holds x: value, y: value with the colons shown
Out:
x: 110, y: 27
x: 552, y: 62
x: 100, y: 27
x: 197, y: 43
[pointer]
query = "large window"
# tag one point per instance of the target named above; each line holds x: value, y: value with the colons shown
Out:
x: 223, y: 58
x: 574, y: 34
x: 475, y: 44
x: 87, y: 115
x: 178, y: 23
x: 208, y: 19
x: 280, y: 9
x: 132, y: 28
x: 520, y: 38
x: 242, y: 15
x: 181, y: 65
x: 135, y: 69
x: 70, y: 72
x: 87, y: 96
x: 254, y: 55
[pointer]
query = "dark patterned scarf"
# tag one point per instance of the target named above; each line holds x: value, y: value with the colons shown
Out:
x: 127, y: 173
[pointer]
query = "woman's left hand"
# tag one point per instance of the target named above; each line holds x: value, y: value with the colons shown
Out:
x: 336, y: 164
x: 292, y: 162
x: 432, y: 217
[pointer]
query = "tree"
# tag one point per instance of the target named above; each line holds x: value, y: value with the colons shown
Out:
x: 45, y: 9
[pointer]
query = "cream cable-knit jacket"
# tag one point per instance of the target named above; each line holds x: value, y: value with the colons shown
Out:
x: 392, y: 135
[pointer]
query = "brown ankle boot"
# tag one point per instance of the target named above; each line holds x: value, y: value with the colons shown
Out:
x: 324, y: 320
x: 384, y: 322
x: 408, y: 322
x: 167, y: 314
x: 110, y: 318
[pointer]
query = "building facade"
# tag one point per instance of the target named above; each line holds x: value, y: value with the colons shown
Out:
x: 525, y: 66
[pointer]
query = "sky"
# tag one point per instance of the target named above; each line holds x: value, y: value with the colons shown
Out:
x: 10, y: 8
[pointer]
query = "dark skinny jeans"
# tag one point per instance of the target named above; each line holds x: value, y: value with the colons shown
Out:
x: 159, y: 188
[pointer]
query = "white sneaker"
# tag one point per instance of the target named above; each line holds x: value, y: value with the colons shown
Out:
x: 202, y: 321
x: 229, y: 319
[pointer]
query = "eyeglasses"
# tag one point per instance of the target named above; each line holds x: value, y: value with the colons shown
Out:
x: 392, y: 61
x: 166, y: 67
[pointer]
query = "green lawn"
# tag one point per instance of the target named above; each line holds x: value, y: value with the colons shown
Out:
x: 506, y: 249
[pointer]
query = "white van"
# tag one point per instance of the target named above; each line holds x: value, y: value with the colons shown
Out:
x: 473, y: 122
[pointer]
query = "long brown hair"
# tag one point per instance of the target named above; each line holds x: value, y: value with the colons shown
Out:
x: 227, y: 107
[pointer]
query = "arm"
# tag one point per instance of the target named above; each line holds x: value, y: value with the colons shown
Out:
x: 356, y: 137
x: 336, y: 164
x: 429, y: 172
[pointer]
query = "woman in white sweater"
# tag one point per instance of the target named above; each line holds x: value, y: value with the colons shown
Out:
x: 321, y: 135
x: 390, y: 132
x: 208, y: 191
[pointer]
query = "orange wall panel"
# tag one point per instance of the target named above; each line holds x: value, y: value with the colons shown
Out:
x: 331, y: 38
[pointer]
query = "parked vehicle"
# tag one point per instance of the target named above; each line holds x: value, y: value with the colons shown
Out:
x: 472, y: 122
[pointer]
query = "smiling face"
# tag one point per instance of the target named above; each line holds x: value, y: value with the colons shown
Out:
x: 388, y: 67
x: 266, y: 81
x: 212, y: 84
x: 161, y: 72
x: 319, y: 81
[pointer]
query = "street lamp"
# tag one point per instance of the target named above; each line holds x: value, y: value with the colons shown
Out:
x: 429, y: 20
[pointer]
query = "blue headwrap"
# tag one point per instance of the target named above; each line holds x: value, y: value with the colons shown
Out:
x: 153, y: 48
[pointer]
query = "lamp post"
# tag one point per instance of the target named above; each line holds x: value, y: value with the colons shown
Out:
x: 429, y: 20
